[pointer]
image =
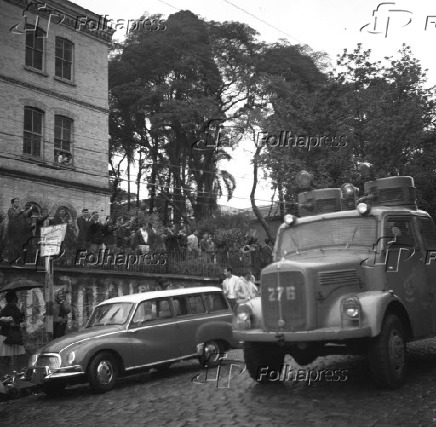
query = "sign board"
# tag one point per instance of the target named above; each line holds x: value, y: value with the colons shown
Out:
x: 51, y: 239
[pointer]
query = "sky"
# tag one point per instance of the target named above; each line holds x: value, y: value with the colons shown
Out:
x: 328, y: 26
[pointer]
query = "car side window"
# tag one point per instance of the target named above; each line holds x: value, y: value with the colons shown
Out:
x: 180, y: 306
x: 146, y: 311
x: 216, y: 302
x: 402, y: 228
x: 196, y: 304
x: 163, y: 309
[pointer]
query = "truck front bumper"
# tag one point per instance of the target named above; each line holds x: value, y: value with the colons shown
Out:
x: 331, y: 334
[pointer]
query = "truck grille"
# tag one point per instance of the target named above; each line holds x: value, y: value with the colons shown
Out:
x: 284, y: 299
x: 52, y: 361
x: 342, y: 277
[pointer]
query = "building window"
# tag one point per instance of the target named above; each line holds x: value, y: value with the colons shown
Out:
x: 33, y: 118
x: 62, y: 140
x: 63, y: 58
x: 35, y: 48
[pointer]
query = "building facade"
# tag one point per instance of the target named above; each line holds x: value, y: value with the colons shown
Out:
x: 54, y: 112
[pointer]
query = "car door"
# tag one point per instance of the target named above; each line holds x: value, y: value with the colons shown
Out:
x: 190, y: 311
x: 154, y: 333
x: 406, y: 274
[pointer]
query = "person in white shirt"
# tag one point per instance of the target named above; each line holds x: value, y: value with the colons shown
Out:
x: 192, y: 245
x: 230, y: 287
x: 250, y: 288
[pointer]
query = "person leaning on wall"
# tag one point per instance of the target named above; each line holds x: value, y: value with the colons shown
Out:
x: 61, y: 310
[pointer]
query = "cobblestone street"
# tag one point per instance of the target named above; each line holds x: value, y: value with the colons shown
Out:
x: 172, y: 398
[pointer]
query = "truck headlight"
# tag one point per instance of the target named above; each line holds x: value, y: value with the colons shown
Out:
x: 70, y: 358
x: 351, y: 307
x: 351, y: 311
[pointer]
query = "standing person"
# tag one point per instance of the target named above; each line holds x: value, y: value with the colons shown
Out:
x: 121, y: 232
x: 192, y: 245
x: 250, y: 287
x: 204, y: 245
x: 172, y: 240
x: 61, y: 310
x: 95, y: 233
x: 70, y: 240
x: 108, y: 232
x: 141, y: 239
x: 10, y: 319
x: 153, y: 239
x: 83, y: 226
x: 210, y: 250
x: 230, y: 285
x: 18, y: 230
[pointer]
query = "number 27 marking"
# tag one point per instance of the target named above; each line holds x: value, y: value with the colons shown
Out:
x: 276, y: 294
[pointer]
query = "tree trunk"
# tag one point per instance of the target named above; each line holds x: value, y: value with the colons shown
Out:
x: 253, y: 197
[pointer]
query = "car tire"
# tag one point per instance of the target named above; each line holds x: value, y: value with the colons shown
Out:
x: 387, y: 354
x: 54, y: 389
x: 262, y: 360
x: 213, y: 351
x: 102, y: 372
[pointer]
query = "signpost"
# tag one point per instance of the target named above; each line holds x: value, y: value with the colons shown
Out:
x: 51, y: 239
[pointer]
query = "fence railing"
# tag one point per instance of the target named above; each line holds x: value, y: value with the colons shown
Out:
x: 170, y: 262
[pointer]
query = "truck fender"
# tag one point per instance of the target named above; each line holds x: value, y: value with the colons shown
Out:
x: 374, y: 306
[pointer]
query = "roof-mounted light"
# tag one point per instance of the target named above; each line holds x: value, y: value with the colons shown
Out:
x: 348, y: 190
x: 290, y: 219
x: 303, y: 179
x: 363, y: 208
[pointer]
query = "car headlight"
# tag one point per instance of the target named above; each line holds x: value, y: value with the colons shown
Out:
x: 242, y: 320
x: 70, y: 358
x: 351, y: 307
x: 363, y: 208
x: 289, y: 219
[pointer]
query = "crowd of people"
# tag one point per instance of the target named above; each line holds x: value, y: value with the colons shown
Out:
x: 239, y: 289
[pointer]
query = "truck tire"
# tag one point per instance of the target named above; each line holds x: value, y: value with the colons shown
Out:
x: 304, y: 357
x: 387, y: 354
x: 102, y: 372
x: 213, y: 352
x: 264, y: 362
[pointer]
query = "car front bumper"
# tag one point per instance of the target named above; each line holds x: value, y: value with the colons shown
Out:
x: 43, y: 374
x: 323, y: 334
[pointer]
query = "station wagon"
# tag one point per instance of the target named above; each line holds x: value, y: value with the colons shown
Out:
x: 134, y: 333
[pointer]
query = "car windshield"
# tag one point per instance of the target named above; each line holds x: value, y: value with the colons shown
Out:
x: 110, y: 314
x: 343, y: 232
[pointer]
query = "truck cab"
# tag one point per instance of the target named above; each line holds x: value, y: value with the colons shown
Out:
x: 346, y: 278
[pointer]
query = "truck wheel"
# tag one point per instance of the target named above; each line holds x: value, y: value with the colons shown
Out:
x: 387, y: 354
x: 304, y: 357
x: 102, y: 372
x: 54, y: 389
x: 264, y: 362
x: 212, y: 353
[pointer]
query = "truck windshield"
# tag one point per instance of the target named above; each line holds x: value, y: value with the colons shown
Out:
x: 343, y: 232
x: 110, y: 314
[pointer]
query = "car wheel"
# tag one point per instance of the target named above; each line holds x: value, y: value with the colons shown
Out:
x: 264, y: 362
x: 387, y: 354
x: 102, y: 372
x: 54, y: 388
x: 212, y: 354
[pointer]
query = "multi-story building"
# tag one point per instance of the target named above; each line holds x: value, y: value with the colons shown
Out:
x: 54, y: 107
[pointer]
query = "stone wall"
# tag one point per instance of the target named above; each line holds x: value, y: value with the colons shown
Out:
x: 84, y: 289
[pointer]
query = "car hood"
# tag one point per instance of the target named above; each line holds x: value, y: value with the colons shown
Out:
x: 59, y: 344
